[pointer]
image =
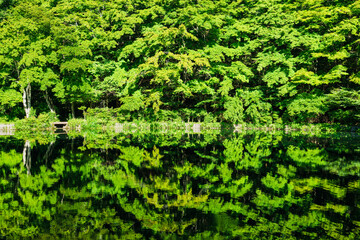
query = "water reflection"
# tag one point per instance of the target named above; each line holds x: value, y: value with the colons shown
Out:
x: 27, y: 156
x: 180, y: 186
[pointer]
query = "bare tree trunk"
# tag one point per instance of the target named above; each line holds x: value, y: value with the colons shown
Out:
x: 27, y: 100
x: 49, y: 101
x: 27, y: 156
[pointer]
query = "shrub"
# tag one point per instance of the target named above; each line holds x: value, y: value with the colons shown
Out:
x: 43, y: 121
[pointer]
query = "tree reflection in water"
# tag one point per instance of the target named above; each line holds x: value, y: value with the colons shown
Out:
x: 27, y: 156
x: 198, y: 186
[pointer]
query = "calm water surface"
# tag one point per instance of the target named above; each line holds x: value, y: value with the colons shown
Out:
x: 179, y: 186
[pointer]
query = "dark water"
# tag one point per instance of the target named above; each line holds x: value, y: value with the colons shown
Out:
x: 175, y: 186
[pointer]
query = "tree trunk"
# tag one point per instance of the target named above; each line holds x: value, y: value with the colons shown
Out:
x: 27, y: 156
x: 49, y: 102
x: 27, y: 100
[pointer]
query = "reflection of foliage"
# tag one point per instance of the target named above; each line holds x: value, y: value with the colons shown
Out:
x: 41, y: 137
x: 310, y: 157
x: 157, y: 186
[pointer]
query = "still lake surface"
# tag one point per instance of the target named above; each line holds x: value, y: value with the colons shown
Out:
x: 180, y: 186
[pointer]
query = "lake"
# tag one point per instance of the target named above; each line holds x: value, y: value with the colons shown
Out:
x: 257, y: 185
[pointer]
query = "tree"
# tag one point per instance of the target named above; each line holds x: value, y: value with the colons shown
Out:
x: 27, y: 50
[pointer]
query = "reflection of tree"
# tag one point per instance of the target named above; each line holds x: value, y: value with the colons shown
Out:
x: 48, y: 203
x: 49, y: 151
x: 27, y: 156
x: 245, y: 186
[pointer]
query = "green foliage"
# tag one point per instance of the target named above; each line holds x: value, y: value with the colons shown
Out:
x: 257, y: 62
x: 344, y: 105
x: 132, y: 103
x: 42, y: 122
x: 257, y: 111
x: 307, y: 107
x: 10, y: 98
x: 234, y: 110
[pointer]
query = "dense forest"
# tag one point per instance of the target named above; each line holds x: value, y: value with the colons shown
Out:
x: 263, y: 61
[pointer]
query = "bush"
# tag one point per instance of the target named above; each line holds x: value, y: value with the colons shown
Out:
x: 43, y: 121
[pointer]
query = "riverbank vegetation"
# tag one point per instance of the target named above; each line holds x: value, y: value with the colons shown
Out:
x: 103, y: 121
x: 258, y: 62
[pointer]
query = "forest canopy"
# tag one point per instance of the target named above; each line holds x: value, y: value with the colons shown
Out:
x: 263, y: 61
